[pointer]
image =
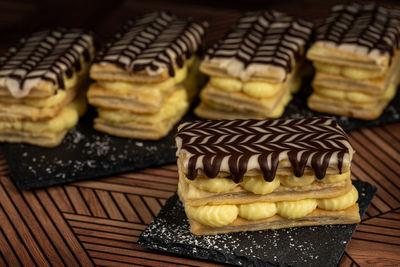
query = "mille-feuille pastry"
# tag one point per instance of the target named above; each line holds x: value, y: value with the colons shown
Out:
x: 255, y: 68
x: 356, y: 56
x: 147, y: 76
x: 42, y: 79
x: 247, y: 175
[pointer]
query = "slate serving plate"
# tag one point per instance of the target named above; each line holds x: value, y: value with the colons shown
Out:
x: 302, y: 246
x: 86, y: 153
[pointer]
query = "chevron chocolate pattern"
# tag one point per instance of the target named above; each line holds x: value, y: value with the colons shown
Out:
x: 154, y: 42
x: 265, y: 38
x: 369, y: 26
x: 98, y: 222
x: 261, y: 145
x: 45, y: 55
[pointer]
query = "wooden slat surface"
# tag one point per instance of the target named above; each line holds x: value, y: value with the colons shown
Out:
x: 98, y: 222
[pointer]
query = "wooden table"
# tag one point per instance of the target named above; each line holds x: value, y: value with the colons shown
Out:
x: 98, y: 222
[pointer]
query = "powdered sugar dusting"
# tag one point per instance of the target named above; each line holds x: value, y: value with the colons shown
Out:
x: 85, y: 153
x: 301, y: 246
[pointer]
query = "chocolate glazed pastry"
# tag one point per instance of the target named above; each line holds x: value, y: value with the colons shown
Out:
x: 266, y: 38
x: 368, y: 26
x: 248, y: 175
x: 45, y: 55
x: 152, y: 42
x: 43, y: 81
x: 300, y: 140
x: 256, y: 67
x: 147, y: 76
x: 356, y: 56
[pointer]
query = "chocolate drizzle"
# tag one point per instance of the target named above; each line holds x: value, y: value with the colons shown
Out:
x: 264, y: 37
x: 312, y: 142
x: 153, y: 42
x: 46, y: 55
x: 370, y: 26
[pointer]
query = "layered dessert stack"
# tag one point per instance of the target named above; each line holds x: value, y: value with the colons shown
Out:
x: 247, y: 175
x: 146, y: 76
x: 356, y: 58
x: 41, y: 83
x: 255, y: 68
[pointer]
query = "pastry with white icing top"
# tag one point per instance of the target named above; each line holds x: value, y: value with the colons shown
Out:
x: 278, y: 173
x: 356, y: 57
x: 147, y: 76
x: 42, y: 78
x: 255, y: 68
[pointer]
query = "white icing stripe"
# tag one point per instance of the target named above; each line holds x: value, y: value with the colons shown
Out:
x: 44, y: 56
x: 370, y: 30
x: 316, y: 140
x: 261, y: 41
x: 154, y: 42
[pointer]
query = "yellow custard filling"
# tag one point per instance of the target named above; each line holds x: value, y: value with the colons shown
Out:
x: 215, y: 185
x: 215, y: 216
x: 335, y: 178
x: 258, y: 185
x: 340, y: 202
x: 65, y: 120
x: 175, y: 103
x: 257, y: 211
x: 254, y: 88
x: 77, y: 76
x: 261, y: 89
x: 349, y: 72
x: 357, y: 97
x: 292, y: 181
x: 296, y: 209
x: 193, y: 79
x: 51, y: 101
x: 127, y: 87
x: 227, y: 84
x: 222, y: 215
x: 280, y: 108
x: 70, y: 82
x: 55, y: 99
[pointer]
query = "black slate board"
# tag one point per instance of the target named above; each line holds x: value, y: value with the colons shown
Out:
x: 86, y: 153
x: 301, y: 246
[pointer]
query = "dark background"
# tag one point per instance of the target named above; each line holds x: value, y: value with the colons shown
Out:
x: 105, y: 17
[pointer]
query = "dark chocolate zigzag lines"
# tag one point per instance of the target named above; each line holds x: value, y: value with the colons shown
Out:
x: 154, y: 41
x: 47, y: 55
x: 307, y: 142
x: 264, y: 37
x: 370, y: 26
